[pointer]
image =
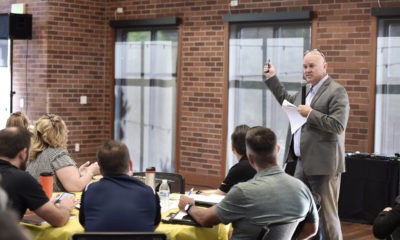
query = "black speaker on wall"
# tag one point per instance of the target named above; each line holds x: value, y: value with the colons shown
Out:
x: 15, y: 26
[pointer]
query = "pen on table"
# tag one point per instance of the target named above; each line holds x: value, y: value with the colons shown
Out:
x: 190, y: 191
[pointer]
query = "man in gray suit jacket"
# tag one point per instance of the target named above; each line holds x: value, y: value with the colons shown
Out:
x: 318, y: 146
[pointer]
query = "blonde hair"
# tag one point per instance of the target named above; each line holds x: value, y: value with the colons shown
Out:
x: 18, y: 119
x: 50, y: 131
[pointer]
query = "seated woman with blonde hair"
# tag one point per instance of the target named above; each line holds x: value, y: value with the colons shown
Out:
x: 18, y: 119
x: 49, y: 154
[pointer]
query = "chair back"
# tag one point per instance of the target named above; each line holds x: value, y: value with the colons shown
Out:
x: 395, y: 234
x: 279, y: 230
x: 119, y: 236
x: 176, y: 181
x: 317, y: 200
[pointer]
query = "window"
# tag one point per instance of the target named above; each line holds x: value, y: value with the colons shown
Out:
x: 387, y: 104
x: 145, y: 95
x: 250, y: 102
x: 5, y: 86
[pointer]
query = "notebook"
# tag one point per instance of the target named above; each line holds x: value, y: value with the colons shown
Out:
x: 180, y: 218
x: 36, y: 220
x: 33, y: 219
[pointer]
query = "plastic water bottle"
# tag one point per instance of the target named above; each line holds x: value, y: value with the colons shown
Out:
x: 163, y: 192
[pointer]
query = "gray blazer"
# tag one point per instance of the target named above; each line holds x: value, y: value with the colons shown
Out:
x: 323, y: 135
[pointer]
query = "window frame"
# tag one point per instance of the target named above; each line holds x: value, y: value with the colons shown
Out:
x: 383, y: 88
x: 276, y: 19
x: 152, y: 24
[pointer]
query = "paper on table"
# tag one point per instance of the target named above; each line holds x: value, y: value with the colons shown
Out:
x: 208, y: 200
x: 180, y: 215
x: 295, y: 118
x: 173, y: 201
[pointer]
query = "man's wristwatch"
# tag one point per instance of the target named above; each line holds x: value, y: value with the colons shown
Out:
x: 187, y: 207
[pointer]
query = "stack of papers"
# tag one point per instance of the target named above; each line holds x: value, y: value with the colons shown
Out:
x: 207, y: 200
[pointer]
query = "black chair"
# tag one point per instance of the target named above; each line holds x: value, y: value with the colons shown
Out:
x: 395, y: 235
x: 119, y: 236
x: 317, y: 200
x: 176, y: 181
x: 279, y: 230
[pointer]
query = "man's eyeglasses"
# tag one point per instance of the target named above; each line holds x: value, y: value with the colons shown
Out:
x: 315, y: 50
x: 51, y: 117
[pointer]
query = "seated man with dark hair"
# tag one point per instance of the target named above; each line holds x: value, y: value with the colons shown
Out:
x: 241, y: 171
x: 272, y: 195
x: 118, y: 202
x: 22, y: 189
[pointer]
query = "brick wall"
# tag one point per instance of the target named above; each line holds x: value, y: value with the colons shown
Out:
x: 71, y: 55
x: 345, y: 33
x: 66, y: 59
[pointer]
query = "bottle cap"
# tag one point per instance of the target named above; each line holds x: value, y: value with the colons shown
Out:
x: 151, y: 169
x: 46, y: 174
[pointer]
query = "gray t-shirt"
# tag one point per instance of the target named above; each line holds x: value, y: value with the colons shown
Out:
x: 271, y: 195
x: 50, y: 160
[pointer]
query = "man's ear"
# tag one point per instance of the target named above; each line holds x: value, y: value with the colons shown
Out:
x: 250, y: 157
x: 251, y: 161
x: 278, y: 149
x: 130, y: 172
x: 23, y: 154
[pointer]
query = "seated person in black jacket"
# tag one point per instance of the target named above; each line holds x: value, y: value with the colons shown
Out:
x: 387, y: 221
x: 241, y: 171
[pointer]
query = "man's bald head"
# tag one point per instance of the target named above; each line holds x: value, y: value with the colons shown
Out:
x: 314, y: 66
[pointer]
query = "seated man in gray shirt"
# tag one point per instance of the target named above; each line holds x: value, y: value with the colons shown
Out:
x: 272, y: 195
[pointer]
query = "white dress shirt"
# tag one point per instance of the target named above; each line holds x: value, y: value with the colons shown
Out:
x: 310, y: 96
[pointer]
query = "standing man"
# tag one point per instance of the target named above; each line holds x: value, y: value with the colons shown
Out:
x: 270, y: 196
x: 318, y: 146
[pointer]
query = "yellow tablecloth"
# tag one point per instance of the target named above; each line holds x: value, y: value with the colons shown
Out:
x: 47, y: 232
x: 173, y: 231
x: 186, y: 232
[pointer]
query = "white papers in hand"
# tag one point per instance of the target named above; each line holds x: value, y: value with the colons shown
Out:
x: 295, y: 118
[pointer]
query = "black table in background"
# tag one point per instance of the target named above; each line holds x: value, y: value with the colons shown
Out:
x: 367, y: 187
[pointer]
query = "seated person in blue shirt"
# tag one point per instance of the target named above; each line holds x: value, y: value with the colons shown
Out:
x: 272, y: 195
x: 241, y: 171
x: 118, y: 202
